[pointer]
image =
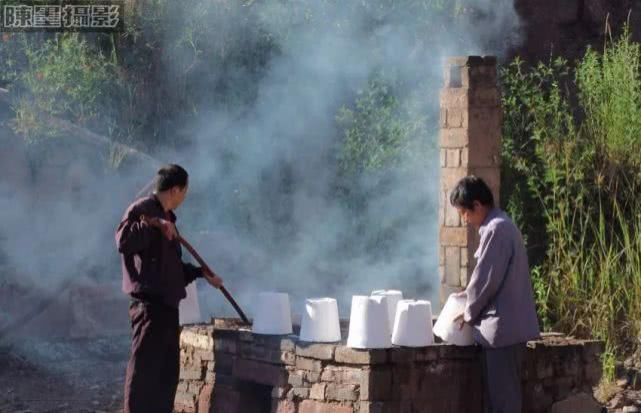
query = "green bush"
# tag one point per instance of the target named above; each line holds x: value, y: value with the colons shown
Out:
x: 570, y: 177
x: 64, y: 77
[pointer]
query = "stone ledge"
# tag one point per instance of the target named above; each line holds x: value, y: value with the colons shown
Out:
x: 354, y: 356
x: 319, y: 351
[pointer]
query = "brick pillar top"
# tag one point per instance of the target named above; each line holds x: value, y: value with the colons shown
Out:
x: 470, y: 143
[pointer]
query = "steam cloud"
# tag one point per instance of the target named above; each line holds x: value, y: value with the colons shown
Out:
x: 261, y: 208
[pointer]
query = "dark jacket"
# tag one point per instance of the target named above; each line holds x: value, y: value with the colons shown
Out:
x: 152, y: 267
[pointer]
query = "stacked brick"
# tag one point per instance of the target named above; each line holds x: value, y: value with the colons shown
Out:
x: 232, y: 370
x: 470, y: 140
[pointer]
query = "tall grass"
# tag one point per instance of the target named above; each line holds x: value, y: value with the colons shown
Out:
x: 571, y: 172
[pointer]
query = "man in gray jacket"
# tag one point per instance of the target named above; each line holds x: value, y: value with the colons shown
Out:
x: 500, y: 302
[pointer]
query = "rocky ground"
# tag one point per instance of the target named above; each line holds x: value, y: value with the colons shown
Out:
x: 63, y: 375
x: 624, y: 395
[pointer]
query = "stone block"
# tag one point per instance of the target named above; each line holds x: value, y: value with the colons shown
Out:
x: 452, y: 217
x: 286, y: 357
x: 258, y: 372
x: 453, y: 138
x: 452, y: 265
x: 464, y: 255
x: 455, y: 118
x: 283, y: 406
x: 465, y: 157
x: 317, y: 391
x: 192, y: 374
x: 297, y: 393
x: 465, y: 275
x: 207, y: 356
x: 204, y: 398
x: 452, y: 98
x: 210, y: 377
x: 185, y: 401
x: 296, y: 378
x: 312, y: 376
x: 316, y: 351
x: 453, y: 236
x: 313, y: 406
x: 355, y: 356
x: 345, y: 375
x: 304, y: 363
x: 284, y: 343
x: 341, y: 392
x: 453, y: 158
x: 377, y: 385
x: 191, y: 339
x: 450, y: 177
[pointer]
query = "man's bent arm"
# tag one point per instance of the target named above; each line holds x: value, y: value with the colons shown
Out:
x: 191, y: 272
x: 488, y: 274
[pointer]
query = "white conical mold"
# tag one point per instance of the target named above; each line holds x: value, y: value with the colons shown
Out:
x: 320, y: 321
x: 368, y: 323
x: 445, y: 326
x: 413, y: 324
x: 272, y: 314
x: 393, y: 297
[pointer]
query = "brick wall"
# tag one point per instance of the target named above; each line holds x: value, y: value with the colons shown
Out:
x: 219, y: 363
x: 470, y: 141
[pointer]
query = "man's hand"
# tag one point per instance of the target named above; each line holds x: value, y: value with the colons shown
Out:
x: 460, y: 320
x: 460, y: 294
x: 212, y: 278
x: 167, y: 228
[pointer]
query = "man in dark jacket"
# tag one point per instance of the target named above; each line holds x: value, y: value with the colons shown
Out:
x: 154, y: 276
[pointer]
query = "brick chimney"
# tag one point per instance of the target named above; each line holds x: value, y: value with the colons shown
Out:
x: 470, y: 143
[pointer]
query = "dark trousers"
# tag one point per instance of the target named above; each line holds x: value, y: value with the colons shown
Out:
x: 502, y: 378
x: 152, y: 372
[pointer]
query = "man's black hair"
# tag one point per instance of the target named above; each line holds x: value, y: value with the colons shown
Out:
x: 470, y: 189
x: 170, y: 176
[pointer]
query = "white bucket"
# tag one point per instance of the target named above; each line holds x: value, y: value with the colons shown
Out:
x: 413, y: 324
x: 368, y: 323
x: 188, y: 308
x: 272, y: 314
x: 393, y: 297
x: 445, y: 326
x: 320, y: 321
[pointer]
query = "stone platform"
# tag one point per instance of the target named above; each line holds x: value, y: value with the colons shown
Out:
x: 225, y: 368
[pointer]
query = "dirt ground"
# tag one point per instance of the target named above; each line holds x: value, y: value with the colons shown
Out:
x: 63, y: 375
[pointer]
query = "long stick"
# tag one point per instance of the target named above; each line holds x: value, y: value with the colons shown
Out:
x: 203, y: 264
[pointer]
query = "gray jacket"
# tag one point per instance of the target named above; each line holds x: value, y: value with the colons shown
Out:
x: 500, y: 301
